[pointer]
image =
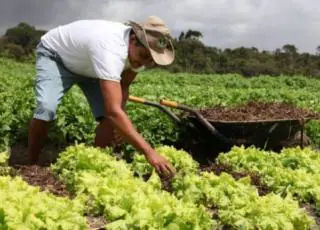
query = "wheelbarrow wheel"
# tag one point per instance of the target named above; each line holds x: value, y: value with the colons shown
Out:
x: 295, y: 141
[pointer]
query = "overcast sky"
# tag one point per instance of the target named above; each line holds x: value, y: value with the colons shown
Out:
x: 265, y: 24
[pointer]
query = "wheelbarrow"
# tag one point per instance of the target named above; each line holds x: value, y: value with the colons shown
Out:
x: 219, y: 136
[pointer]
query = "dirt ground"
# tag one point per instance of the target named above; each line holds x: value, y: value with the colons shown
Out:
x: 18, y: 153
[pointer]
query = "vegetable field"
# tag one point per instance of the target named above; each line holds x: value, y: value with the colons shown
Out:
x: 82, y: 187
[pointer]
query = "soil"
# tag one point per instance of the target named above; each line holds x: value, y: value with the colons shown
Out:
x: 215, y: 216
x: 96, y: 222
x: 166, y: 184
x: 40, y: 174
x: 311, y: 210
x: 217, y: 169
x: 257, y: 111
x: 42, y: 177
x: 49, y: 154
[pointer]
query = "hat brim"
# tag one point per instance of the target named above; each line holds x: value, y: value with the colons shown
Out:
x: 166, y: 57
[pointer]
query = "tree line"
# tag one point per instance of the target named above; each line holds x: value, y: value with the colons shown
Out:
x: 192, y: 55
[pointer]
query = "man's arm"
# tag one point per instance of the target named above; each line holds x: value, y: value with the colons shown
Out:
x: 112, y: 95
x: 127, y: 78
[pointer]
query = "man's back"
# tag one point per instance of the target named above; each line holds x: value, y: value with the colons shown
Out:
x: 83, y: 42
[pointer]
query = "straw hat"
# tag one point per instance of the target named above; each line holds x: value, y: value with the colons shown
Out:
x: 155, y: 36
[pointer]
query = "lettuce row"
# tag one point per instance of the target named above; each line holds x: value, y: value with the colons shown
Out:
x: 297, y: 158
x: 125, y: 201
x: 236, y: 203
x: 179, y: 159
x: 5, y: 170
x: 286, y: 174
x: 24, y: 207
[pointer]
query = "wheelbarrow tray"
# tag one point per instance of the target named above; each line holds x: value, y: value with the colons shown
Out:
x: 265, y: 134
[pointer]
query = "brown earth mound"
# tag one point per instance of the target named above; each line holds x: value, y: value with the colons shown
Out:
x: 257, y: 111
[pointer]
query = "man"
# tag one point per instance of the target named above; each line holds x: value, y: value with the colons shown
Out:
x: 102, y: 58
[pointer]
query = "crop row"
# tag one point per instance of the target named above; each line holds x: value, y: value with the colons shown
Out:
x: 293, y: 172
x: 132, y: 195
x: 76, y: 123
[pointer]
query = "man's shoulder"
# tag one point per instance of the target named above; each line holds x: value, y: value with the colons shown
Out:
x: 109, y: 35
x: 103, y: 26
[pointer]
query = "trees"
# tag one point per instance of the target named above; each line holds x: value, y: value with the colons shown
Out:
x: 192, y: 55
x: 190, y: 34
x: 21, y: 40
x: 318, y: 50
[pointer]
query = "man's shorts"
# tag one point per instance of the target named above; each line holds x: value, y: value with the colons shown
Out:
x: 53, y: 80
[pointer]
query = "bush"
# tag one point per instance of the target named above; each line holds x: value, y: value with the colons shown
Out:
x: 15, y: 51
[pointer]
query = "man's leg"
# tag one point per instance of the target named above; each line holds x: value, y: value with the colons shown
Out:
x: 52, y: 81
x: 38, y: 131
x: 105, y: 134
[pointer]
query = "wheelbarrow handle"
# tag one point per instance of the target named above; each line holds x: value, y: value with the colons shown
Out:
x: 168, y: 103
x: 157, y: 105
x: 200, y: 118
x: 137, y: 99
x: 176, y: 105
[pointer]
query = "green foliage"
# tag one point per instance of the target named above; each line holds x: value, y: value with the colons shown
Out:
x: 81, y: 158
x: 201, y: 91
x: 194, y: 56
x: 181, y: 161
x: 107, y: 186
x: 25, y: 207
x: 5, y: 170
x: 313, y: 131
x: 236, y: 203
x: 293, y: 171
x: 75, y: 122
x: 4, y: 156
x: 125, y: 201
x: 239, y: 205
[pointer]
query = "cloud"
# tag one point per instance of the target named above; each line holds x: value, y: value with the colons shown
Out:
x: 265, y: 24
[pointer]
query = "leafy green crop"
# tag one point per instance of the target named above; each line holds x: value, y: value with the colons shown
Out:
x: 107, y: 186
x: 75, y: 122
x: 125, y: 201
x: 25, y: 207
x: 180, y: 160
x: 237, y: 203
x: 5, y: 170
x: 294, y: 171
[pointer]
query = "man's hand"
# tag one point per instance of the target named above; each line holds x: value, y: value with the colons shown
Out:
x: 161, y: 164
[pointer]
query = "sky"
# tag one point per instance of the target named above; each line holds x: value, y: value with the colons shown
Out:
x: 264, y: 24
